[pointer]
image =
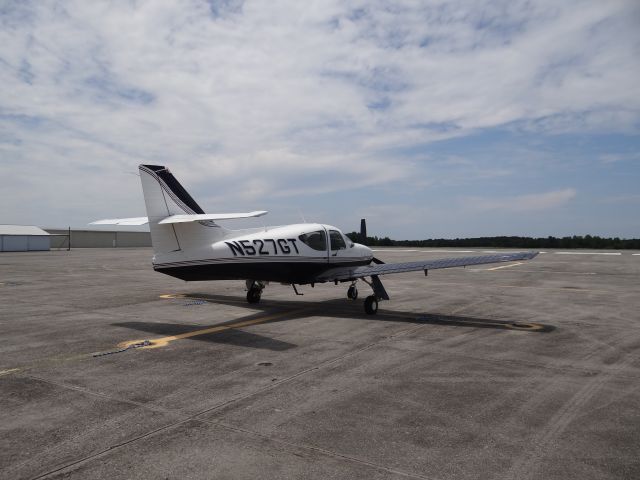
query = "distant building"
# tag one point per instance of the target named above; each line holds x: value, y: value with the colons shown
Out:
x: 86, y: 238
x: 23, y: 238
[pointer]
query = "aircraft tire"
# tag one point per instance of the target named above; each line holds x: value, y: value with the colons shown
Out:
x: 371, y: 305
x: 352, y: 292
x: 253, y: 295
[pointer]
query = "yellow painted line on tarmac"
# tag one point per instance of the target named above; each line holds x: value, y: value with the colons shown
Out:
x: 7, y: 372
x: 164, y: 341
x: 505, y: 266
x: 524, y: 326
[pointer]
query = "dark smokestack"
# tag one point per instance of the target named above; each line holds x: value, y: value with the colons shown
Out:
x: 363, y: 229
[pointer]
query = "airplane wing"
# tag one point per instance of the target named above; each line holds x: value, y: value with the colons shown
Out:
x: 179, y: 218
x: 122, y: 221
x: 352, y: 273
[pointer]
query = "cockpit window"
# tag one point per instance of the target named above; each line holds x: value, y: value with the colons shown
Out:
x: 316, y: 240
x: 337, y: 242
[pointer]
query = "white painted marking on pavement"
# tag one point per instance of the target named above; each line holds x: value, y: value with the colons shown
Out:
x: 588, y: 253
x: 394, y: 250
x: 424, y: 251
x: 505, y: 266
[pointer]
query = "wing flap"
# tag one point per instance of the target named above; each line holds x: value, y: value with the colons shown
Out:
x: 351, y: 273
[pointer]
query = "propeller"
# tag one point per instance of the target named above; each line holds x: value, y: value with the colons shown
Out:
x: 363, y: 238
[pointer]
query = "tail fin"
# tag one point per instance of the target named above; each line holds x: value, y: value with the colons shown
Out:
x: 164, y: 196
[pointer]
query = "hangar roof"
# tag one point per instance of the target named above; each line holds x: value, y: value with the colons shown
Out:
x: 22, y: 230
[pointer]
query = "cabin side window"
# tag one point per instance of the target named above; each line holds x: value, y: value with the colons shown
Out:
x: 337, y: 242
x: 315, y: 240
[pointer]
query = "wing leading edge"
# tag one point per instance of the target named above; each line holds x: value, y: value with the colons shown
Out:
x: 352, y: 273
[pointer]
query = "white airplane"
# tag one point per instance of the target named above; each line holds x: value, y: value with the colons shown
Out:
x: 190, y: 245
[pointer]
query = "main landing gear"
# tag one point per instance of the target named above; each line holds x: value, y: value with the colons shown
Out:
x: 371, y: 302
x: 254, y: 290
x: 371, y: 305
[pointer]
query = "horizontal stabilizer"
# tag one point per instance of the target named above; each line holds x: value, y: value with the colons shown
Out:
x: 179, y: 218
x: 122, y: 221
x: 210, y: 216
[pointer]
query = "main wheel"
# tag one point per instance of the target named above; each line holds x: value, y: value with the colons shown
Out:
x: 352, y: 292
x: 253, y: 295
x: 371, y: 305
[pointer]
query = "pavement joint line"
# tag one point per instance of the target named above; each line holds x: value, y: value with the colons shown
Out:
x: 108, y: 449
x: 320, y: 450
x: 187, y: 418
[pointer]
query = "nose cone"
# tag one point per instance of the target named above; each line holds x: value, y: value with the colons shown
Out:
x: 363, y: 251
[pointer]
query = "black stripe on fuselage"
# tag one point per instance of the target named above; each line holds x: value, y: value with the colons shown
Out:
x: 284, y: 272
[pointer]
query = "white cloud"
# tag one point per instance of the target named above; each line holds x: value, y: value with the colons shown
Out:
x: 289, y: 98
x: 522, y: 203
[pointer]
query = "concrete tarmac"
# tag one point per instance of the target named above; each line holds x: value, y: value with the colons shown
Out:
x: 526, y: 371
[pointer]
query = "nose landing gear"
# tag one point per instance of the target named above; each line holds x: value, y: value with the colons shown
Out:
x: 254, y: 290
x: 352, y: 292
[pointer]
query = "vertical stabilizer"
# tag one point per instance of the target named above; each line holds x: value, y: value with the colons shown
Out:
x: 164, y: 196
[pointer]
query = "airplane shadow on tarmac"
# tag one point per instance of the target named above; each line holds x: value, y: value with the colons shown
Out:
x: 336, y: 308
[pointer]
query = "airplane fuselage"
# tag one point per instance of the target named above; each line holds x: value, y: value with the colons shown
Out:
x: 287, y: 254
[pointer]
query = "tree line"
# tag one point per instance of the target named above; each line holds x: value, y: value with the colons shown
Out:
x: 576, y: 241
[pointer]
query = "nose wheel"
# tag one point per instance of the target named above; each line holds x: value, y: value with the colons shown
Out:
x: 254, y: 295
x: 254, y: 291
x: 352, y: 292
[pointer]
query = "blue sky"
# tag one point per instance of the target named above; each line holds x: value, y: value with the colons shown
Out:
x: 430, y: 119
